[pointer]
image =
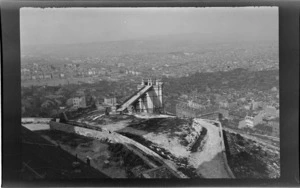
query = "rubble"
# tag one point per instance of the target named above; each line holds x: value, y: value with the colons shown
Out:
x: 250, y: 159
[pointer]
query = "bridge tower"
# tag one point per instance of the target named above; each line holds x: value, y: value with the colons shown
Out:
x: 152, y: 100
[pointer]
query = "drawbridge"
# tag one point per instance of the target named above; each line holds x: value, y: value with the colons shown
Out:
x: 148, y: 98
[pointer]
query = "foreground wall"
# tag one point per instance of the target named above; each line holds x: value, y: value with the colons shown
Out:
x: 114, y: 137
x: 78, y: 130
x: 35, y: 120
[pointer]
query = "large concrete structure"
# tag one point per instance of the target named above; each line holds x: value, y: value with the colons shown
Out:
x: 148, y: 98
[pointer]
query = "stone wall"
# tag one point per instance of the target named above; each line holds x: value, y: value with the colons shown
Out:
x: 112, y: 137
x: 35, y: 120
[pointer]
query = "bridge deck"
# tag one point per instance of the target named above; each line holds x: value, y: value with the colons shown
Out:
x: 134, y: 97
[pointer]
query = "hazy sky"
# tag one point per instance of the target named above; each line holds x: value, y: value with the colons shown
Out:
x: 80, y: 25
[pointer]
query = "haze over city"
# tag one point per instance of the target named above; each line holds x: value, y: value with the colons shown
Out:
x: 86, y: 25
x: 150, y: 93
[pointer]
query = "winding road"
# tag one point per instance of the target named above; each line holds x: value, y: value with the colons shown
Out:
x: 211, y: 162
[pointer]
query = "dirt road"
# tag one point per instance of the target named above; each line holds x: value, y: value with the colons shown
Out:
x: 210, y: 162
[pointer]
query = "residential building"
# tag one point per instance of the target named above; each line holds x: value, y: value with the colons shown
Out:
x: 247, y: 122
x: 274, y: 124
x: 110, y: 101
x: 270, y: 111
x: 258, y: 119
x: 194, y: 104
x: 79, y: 102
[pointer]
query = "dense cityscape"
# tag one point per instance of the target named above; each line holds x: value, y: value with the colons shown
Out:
x: 256, y: 91
x: 168, y: 106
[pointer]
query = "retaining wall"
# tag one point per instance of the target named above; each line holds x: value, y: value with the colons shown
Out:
x: 224, y: 152
x: 35, y: 120
x: 111, y: 137
x: 222, y: 144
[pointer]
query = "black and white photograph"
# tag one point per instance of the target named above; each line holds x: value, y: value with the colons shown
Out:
x: 150, y: 92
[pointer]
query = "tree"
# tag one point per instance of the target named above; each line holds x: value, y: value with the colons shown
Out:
x: 69, y: 102
x: 107, y: 111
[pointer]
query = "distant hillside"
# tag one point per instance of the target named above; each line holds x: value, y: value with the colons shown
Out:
x: 237, y: 79
x: 160, y: 44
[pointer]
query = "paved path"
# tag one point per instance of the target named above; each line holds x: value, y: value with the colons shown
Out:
x: 211, y: 162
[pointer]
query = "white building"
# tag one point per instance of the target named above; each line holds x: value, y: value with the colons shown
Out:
x: 110, y: 101
x: 247, y: 122
x: 79, y: 102
x: 195, y: 105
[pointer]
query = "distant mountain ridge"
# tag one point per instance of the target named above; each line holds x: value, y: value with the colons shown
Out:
x: 155, y: 44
